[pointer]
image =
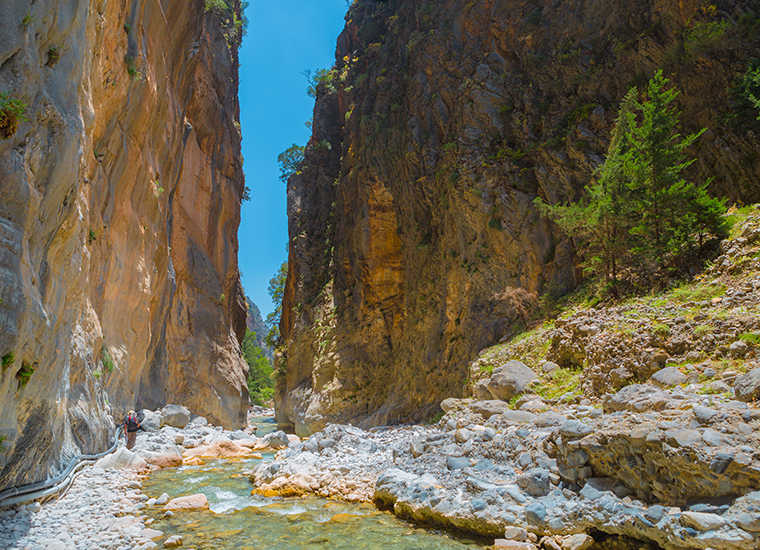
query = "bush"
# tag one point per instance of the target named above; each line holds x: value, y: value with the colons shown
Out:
x: 107, y: 359
x: 8, y: 360
x: 54, y: 54
x: 11, y: 113
x: 24, y: 374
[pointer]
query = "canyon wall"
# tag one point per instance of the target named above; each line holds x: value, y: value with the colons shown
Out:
x: 414, y: 240
x: 119, y: 207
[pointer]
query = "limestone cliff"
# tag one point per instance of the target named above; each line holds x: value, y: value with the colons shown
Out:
x: 119, y: 207
x: 412, y: 224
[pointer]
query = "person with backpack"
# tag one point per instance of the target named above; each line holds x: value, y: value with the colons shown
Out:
x: 131, y: 425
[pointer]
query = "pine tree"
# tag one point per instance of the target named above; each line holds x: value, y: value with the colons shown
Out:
x: 641, y: 212
x: 669, y: 208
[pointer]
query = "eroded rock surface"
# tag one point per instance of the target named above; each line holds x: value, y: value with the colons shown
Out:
x: 686, y: 476
x: 120, y: 200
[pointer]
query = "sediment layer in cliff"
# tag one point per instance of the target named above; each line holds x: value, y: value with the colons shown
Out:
x: 120, y: 203
x: 412, y: 223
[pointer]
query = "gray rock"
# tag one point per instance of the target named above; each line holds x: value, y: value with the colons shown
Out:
x: 417, y: 447
x: 596, y: 487
x: 151, y: 421
x: 280, y: 439
x: 457, y: 462
x: 176, y: 416
x: 702, y: 521
x: 738, y: 348
x: 509, y: 380
x: 515, y: 533
x: 575, y: 429
x: 535, y: 513
x: 548, y: 419
x: 549, y: 367
x: 748, y: 522
x: 747, y: 386
x: 638, y: 398
x: 719, y: 386
x: 668, y: 377
x: 704, y: 415
x: 683, y: 438
x: 450, y: 404
x: 518, y: 417
x: 481, y: 390
x: 489, y: 408
x: 535, y: 482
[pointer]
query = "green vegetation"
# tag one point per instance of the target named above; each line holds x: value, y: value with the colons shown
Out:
x: 745, y: 98
x: 752, y: 338
x: 559, y: 383
x: 260, y: 380
x: 91, y: 236
x: 54, y: 54
x: 703, y: 37
x: 8, y: 360
x: 132, y: 69
x: 107, y: 359
x: 322, y: 82
x: 27, y: 20
x: 11, y: 114
x: 641, y: 214
x: 127, y: 28
x: 290, y: 161
x: 24, y: 374
x: 277, y: 292
x: 701, y: 292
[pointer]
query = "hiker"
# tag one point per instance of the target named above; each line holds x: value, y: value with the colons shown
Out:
x: 131, y: 425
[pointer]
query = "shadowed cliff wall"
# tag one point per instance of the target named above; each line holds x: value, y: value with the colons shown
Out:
x: 119, y: 208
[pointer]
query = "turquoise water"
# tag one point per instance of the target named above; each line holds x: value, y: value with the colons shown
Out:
x: 238, y: 520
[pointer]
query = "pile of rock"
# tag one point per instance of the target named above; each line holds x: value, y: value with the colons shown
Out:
x: 646, y: 467
x: 173, y: 436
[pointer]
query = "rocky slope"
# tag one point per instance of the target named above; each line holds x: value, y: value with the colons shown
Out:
x: 414, y: 240
x: 611, y: 428
x: 120, y: 203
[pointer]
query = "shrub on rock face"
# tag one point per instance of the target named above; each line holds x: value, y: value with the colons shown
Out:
x: 11, y: 113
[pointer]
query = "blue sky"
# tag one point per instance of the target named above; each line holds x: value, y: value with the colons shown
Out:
x: 285, y: 37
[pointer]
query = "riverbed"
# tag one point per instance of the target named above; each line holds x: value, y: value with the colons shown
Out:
x: 236, y: 519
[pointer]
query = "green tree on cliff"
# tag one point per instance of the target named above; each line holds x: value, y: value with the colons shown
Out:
x: 641, y: 212
x: 601, y: 225
x: 290, y: 161
x: 276, y: 291
x: 260, y: 382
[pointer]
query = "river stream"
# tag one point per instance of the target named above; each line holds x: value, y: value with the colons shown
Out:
x: 238, y: 520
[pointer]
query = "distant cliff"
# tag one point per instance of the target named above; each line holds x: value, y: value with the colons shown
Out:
x: 412, y: 220
x: 255, y: 323
x: 118, y: 223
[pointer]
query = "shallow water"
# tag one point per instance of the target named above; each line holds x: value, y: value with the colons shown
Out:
x: 238, y: 520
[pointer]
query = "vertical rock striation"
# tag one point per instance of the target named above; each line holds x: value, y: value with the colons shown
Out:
x: 119, y: 209
x: 414, y: 241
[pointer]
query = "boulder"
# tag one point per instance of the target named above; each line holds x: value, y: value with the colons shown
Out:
x: 489, y: 408
x: 274, y: 440
x: 638, y: 398
x: 668, y: 377
x: 218, y: 449
x: 176, y: 416
x: 509, y: 380
x: 738, y: 348
x: 150, y: 421
x: 481, y: 390
x: 174, y: 541
x: 122, y: 459
x: 518, y: 417
x: 747, y: 386
x: 450, y: 404
x: 190, y: 502
x: 579, y: 541
x: 549, y: 367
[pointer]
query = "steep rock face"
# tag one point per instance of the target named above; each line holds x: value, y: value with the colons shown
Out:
x: 119, y: 209
x: 414, y: 239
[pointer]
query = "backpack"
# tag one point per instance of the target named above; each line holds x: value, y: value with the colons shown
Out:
x: 132, y: 425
